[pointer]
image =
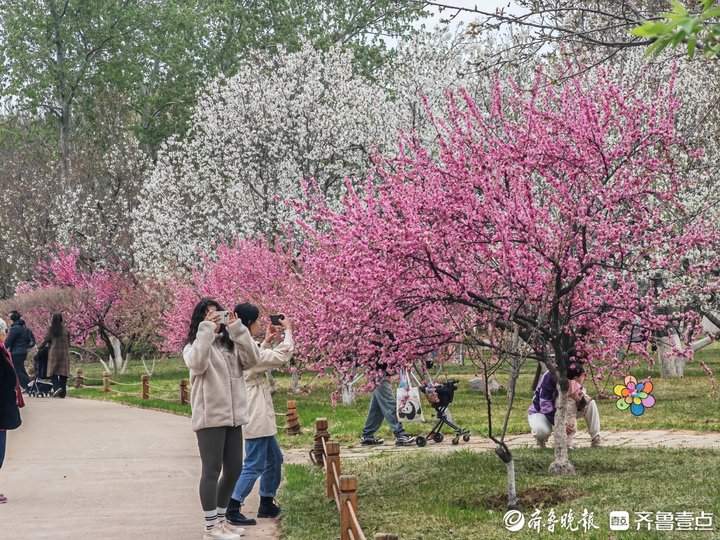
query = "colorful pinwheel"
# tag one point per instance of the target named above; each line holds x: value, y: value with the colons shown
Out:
x: 634, y: 395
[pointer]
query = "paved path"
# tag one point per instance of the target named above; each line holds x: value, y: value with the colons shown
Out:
x: 81, y: 469
x: 633, y: 439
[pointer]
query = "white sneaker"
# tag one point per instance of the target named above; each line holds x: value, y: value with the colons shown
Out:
x: 219, y: 533
x: 232, y: 529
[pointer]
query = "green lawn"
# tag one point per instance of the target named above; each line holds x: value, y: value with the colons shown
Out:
x: 681, y: 403
x: 460, y: 496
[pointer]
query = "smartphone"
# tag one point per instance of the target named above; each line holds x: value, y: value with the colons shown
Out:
x: 275, y: 319
x: 224, y: 317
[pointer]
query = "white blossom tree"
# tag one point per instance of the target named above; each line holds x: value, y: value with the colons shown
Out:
x: 254, y: 138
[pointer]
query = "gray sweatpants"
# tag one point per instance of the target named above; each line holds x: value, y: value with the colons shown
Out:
x: 221, y: 450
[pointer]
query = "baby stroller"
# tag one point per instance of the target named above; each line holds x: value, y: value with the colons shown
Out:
x: 440, y: 397
x: 40, y: 385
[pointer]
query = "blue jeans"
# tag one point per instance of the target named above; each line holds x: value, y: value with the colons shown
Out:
x: 3, y: 440
x: 382, y: 405
x: 263, y: 459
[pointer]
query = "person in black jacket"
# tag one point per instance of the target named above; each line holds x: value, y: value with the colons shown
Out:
x: 18, y: 341
x: 9, y: 410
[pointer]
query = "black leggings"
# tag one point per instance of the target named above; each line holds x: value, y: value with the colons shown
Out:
x: 221, y: 449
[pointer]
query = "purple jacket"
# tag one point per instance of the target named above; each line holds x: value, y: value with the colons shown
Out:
x: 544, y: 398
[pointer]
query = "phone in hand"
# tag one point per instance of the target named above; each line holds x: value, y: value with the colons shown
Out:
x: 275, y: 319
x: 223, y: 317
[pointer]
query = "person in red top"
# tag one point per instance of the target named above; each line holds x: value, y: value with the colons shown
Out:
x: 10, y: 397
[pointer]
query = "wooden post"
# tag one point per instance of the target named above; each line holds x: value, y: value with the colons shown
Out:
x: 145, y: 387
x: 321, y: 432
x: 386, y: 536
x: 333, y: 457
x: 79, y: 379
x: 184, y: 392
x: 106, y: 381
x: 293, y: 421
x: 348, y: 493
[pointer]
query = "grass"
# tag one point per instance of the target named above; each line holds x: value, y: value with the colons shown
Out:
x: 681, y: 403
x: 460, y: 496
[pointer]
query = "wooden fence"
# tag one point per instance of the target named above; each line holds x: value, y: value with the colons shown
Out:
x: 143, y: 389
x: 338, y: 487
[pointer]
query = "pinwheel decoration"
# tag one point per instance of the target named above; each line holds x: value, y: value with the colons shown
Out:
x: 634, y: 395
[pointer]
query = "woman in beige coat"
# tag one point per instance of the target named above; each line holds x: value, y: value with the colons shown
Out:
x: 58, y: 365
x: 263, y: 457
x: 219, y: 349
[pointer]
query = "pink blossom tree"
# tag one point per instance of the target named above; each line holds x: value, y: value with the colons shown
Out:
x: 547, y: 213
x: 246, y: 271
x: 114, y: 307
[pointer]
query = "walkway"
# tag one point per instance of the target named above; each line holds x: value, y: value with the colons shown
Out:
x: 89, y: 469
x: 633, y: 439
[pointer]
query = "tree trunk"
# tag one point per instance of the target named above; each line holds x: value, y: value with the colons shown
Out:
x: 119, y: 363
x: 295, y: 382
x: 511, y: 489
x: 561, y: 465
x: 671, y: 364
x: 348, y: 393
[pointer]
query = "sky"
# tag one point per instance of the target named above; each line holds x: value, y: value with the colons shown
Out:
x: 465, y: 17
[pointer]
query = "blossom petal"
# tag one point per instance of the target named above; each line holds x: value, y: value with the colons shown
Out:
x: 630, y: 379
x: 625, y: 392
x: 639, y: 387
x: 642, y: 395
x: 618, y: 390
x: 637, y: 409
x: 631, y: 387
x: 648, y: 387
x: 637, y: 401
x: 649, y: 401
x: 622, y: 404
x: 628, y: 399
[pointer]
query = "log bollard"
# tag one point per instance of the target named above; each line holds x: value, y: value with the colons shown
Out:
x: 106, y: 381
x: 79, y: 379
x: 184, y: 392
x: 348, y: 493
x: 293, y: 421
x: 321, y: 433
x: 145, y: 387
x: 332, y: 458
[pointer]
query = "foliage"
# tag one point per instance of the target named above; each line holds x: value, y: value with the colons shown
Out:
x: 681, y: 26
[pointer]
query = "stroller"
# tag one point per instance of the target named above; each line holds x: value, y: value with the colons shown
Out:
x: 40, y: 385
x: 440, y: 397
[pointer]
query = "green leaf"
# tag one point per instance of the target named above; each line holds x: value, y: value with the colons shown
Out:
x: 651, y: 29
x: 692, y: 41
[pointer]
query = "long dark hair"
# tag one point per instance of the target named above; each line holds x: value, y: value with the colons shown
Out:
x: 57, y: 328
x: 198, y: 316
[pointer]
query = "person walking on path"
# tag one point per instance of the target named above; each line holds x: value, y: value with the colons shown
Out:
x: 383, y: 405
x: 219, y: 348
x: 18, y: 342
x: 263, y: 457
x: 58, y: 364
x: 541, y: 413
x: 10, y: 398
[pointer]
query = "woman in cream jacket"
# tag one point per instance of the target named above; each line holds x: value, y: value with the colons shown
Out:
x: 263, y: 457
x: 217, y: 353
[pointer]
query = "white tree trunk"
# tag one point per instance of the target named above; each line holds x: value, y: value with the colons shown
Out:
x: 561, y: 465
x: 295, y: 382
x: 348, y: 393
x: 672, y: 365
x: 119, y: 364
x: 511, y: 489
